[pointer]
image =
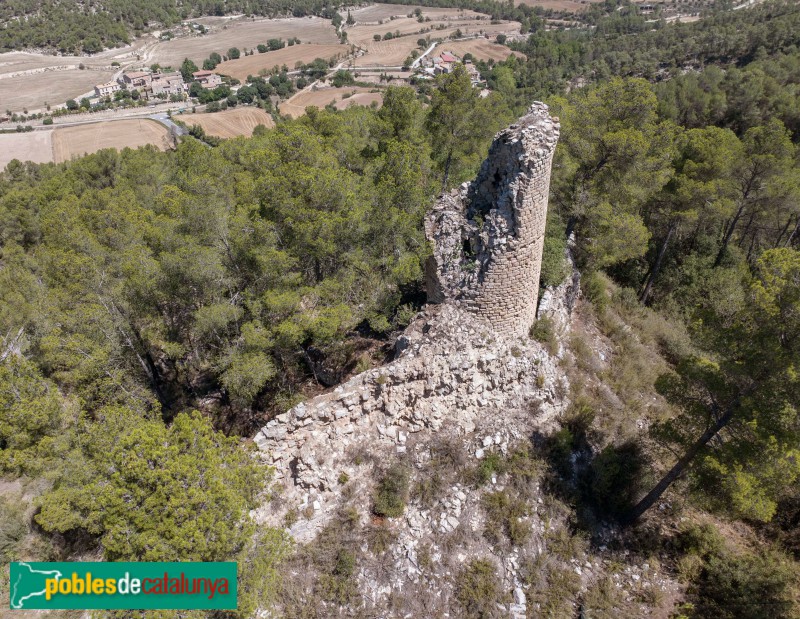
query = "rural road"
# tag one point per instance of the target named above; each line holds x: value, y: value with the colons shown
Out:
x: 165, y: 120
x: 427, y: 51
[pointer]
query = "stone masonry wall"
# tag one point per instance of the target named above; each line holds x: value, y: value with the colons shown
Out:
x: 452, y: 372
x: 488, y: 236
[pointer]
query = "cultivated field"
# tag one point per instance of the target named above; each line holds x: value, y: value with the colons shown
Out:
x: 296, y: 106
x: 394, y: 51
x: 479, y: 48
x: 32, y: 92
x: 378, y: 12
x: 360, y: 98
x: 230, y: 123
x: 30, y: 80
x: 289, y: 56
x: 69, y: 142
x: 364, y: 35
x: 387, y: 53
x: 36, y: 146
x: 242, y: 33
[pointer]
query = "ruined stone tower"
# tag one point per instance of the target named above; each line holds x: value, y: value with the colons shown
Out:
x: 488, y: 237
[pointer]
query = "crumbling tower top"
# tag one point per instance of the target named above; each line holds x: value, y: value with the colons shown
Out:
x: 488, y: 236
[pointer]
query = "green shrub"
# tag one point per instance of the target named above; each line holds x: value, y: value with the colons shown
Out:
x: 379, y: 538
x: 478, y: 590
x: 340, y: 585
x: 746, y: 586
x: 595, y: 290
x: 523, y: 467
x: 428, y: 489
x: 504, y: 514
x: 616, y: 478
x: 392, y: 492
x: 702, y: 540
x: 555, y: 267
x: 553, y: 588
x: 13, y: 528
x: 559, y: 451
x: 544, y: 331
x: 491, y: 464
x: 404, y: 315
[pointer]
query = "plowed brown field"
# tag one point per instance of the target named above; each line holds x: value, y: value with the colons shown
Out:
x: 289, y: 56
x: 69, y: 142
x: 230, y: 123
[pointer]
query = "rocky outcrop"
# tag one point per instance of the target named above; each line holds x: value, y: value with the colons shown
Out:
x: 488, y: 236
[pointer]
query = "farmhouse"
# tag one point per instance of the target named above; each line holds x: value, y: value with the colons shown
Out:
x: 445, y: 63
x: 102, y: 90
x: 136, y: 79
x: 207, y: 79
x: 168, y: 84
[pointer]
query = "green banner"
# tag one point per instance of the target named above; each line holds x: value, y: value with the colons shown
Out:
x: 90, y: 585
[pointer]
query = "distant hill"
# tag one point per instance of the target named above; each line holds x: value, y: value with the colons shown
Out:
x: 71, y: 26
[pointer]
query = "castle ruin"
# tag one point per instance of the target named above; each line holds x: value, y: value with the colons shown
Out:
x: 488, y: 236
x: 461, y: 366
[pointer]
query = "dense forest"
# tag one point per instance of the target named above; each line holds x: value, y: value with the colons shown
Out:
x: 138, y: 288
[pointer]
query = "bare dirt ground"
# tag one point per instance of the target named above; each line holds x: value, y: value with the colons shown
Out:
x: 36, y: 146
x: 482, y: 49
x: 378, y: 12
x: 230, y: 123
x: 289, y: 56
x: 242, y: 33
x: 296, y: 106
x: 69, y: 142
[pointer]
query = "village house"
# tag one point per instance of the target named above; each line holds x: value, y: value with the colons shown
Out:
x: 474, y: 74
x: 444, y: 63
x: 136, y: 79
x: 448, y: 58
x: 207, y: 79
x: 168, y: 84
x: 103, y: 90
